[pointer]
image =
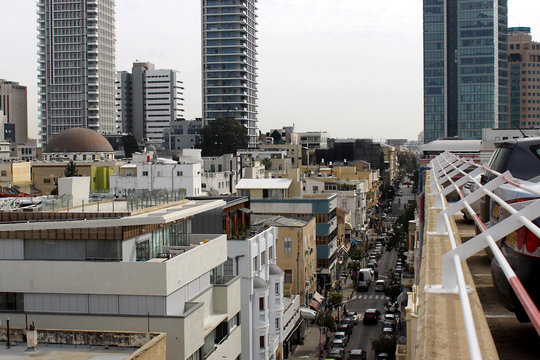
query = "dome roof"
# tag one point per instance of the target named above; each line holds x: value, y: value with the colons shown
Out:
x: 78, y: 140
x: 275, y: 270
x: 259, y: 283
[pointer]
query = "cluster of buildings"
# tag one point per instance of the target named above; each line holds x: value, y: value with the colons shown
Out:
x: 478, y: 73
x: 218, y: 253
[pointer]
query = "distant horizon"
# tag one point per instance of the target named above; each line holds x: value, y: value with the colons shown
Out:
x: 352, y: 69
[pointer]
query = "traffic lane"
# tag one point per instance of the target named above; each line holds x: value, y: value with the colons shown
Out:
x: 363, y: 334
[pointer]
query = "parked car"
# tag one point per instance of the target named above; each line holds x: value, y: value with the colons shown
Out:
x: 341, y: 335
x: 382, y: 356
x: 388, y: 331
x: 379, y: 285
x: 353, y: 315
x: 357, y: 354
x: 339, y: 344
x: 520, y: 248
x: 346, y: 328
x: 371, y: 316
x: 335, y: 354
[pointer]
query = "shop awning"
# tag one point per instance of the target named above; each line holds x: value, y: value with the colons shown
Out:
x: 245, y: 210
x: 316, y: 301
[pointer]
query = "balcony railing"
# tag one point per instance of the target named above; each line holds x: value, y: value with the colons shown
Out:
x: 444, y: 168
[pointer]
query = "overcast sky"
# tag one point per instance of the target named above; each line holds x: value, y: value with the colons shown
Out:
x: 352, y: 68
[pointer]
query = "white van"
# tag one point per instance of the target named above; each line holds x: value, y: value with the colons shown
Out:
x: 367, y: 275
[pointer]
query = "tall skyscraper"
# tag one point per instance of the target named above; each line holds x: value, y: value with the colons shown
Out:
x: 523, y: 79
x: 13, y: 111
x: 148, y: 101
x: 465, y: 67
x: 229, y: 62
x: 76, y: 68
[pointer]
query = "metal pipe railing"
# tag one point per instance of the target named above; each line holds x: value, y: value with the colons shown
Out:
x: 444, y: 168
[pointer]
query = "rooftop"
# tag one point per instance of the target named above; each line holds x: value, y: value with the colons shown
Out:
x: 246, y: 184
x: 278, y: 220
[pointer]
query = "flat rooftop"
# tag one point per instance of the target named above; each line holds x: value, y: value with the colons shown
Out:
x: 60, y: 352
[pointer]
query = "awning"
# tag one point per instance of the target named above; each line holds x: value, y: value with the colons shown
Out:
x: 245, y: 210
x: 348, y: 226
x: 316, y: 301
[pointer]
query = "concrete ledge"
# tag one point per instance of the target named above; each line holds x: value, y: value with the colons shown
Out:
x: 441, y: 332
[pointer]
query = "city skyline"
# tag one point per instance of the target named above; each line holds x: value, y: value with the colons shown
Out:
x: 298, y: 83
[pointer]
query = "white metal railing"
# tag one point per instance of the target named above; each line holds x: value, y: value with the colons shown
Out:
x: 444, y: 168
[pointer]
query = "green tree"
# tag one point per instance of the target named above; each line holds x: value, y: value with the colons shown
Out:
x: 267, y: 163
x: 223, y: 136
x: 71, y: 169
x: 384, y: 344
x: 392, y: 285
x: 326, y: 323
x: 130, y: 145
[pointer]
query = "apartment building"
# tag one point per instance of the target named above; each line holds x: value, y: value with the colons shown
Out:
x: 229, y: 62
x: 76, y: 66
x: 148, y: 101
x: 253, y: 258
x: 132, y: 264
x: 13, y: 111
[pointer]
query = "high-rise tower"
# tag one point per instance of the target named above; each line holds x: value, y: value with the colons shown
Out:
x: 229, y: 64
x: 76, y: 66
x: 465, y: 67
x: 523, y: 79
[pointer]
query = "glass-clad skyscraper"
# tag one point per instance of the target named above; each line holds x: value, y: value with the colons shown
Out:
x: 76, y: 66
x: 229, y: 64
x: 465, y: 67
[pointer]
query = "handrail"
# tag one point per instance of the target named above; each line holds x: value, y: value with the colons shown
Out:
x: 444, y: 168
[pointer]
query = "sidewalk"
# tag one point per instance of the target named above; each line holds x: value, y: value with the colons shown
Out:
x: 309, y: 350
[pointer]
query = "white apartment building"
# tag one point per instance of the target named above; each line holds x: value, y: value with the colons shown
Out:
x: 126, y: 265
x: 146, y: 172
x: 254, y: 260
x: 148, y: 101
x: 220, y: 174
x: 229, y: 62
x: 76, y: 66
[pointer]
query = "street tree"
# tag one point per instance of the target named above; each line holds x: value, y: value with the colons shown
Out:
x: 223, y: 136
x: 71, y: 169
x: 326, y: 323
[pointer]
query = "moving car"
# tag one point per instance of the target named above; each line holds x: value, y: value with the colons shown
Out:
x: 371, y: 316
x: 362, y: 286
x: 379, y: 285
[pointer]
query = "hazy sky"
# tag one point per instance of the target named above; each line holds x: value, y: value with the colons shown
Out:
x: 349, y: 67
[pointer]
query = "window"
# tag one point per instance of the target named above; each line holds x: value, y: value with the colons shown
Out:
x: 46, y: 181
x: 263, y: 258
x: 261, y: 342
x: 261, y: 304
x: 4, y: 173
x: 287, y: 244
x: 276, y: 289
x: 179, y: 173
x: 255, y: 264
x: 11, y: 301
x: 288, y: 277
x: 277, y: 324
x: 145, y: 173
x: 270, y: 253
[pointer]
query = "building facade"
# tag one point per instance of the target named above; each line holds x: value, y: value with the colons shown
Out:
x: 254, y: 260
x: 133, y: 267
x: 523, y: 79
x: 148, y: 101
x: 182, y: 134
x: 76, y: 66
x: 13, y: 111
x: 465, y: 67
x: 229, y: 62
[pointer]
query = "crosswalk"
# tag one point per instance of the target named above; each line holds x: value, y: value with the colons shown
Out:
x: 369, y: 297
